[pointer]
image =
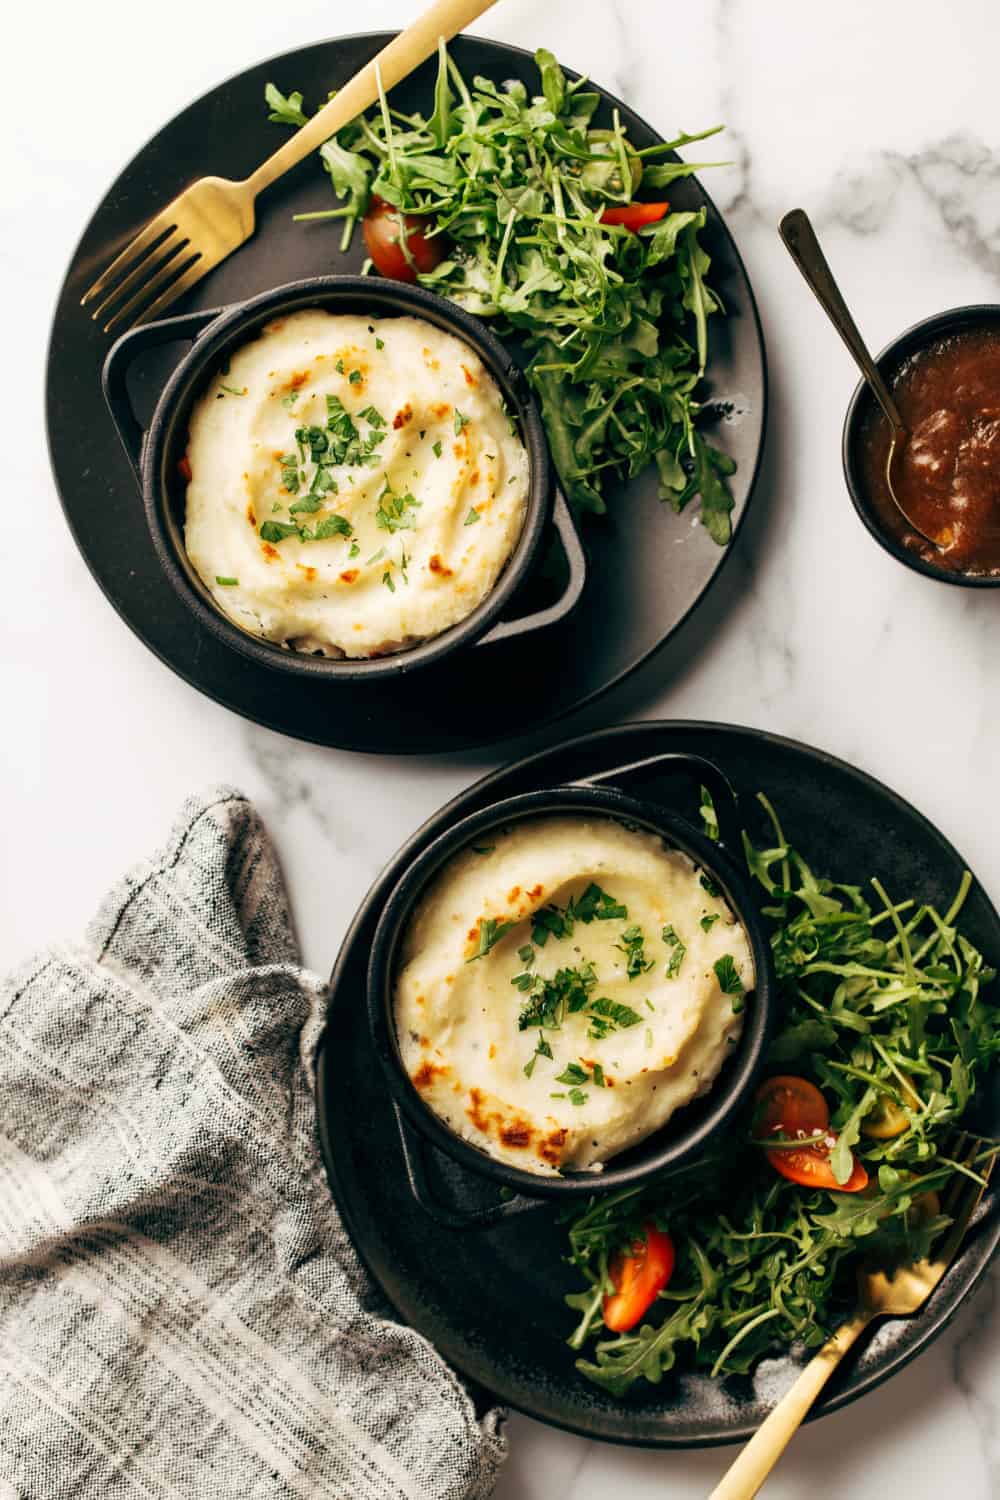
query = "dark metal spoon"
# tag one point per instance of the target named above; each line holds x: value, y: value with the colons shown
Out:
x: 803, y: 246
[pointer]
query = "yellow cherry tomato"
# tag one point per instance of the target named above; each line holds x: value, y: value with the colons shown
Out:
x: 888, y: 1119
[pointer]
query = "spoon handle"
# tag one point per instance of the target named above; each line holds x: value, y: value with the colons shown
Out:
x: 803, y: 246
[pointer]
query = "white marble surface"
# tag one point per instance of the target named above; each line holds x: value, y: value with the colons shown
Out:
x: 819, y: 635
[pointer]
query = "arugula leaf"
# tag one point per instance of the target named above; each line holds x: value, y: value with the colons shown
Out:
x: 613, y: 325
x: 869, y: 990
x: 285, y: 109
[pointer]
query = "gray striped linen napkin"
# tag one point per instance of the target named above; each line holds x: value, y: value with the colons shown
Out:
x: 181, y: 1312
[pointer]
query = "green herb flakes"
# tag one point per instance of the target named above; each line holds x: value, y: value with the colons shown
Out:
x: 491, y: 930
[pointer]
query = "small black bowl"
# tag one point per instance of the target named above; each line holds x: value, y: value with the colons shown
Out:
x: 156, y: 453
x: 687, y: 1134
x: 862, y: 408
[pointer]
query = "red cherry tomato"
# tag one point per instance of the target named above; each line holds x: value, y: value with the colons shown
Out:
x: 634, y: 215
x: 382, y: 227
x: 809, y: 1166
x: 639, y: 1276
x: 788, y: 1105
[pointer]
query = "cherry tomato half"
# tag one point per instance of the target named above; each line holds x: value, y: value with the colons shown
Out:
x: 638, y: 1276
x: 381, y: 228
x: 809, y: 1166
x: 788, y: 1105
x: 887, y: 1119
x: 634, y: 215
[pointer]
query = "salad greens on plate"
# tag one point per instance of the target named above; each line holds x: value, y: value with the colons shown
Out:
x: 520, y: 209
x: 887, y: 1028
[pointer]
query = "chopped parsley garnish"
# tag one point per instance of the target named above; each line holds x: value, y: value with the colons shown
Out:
x: 437, y: 449
x: 355, y: 550
x: 372, y: 417
x: 460, y: 421
x: 226, y: 583
x: 472, y: 517
x: 290, y: 399
x: 308, y: 505
x: 375, y: 557
x: 355, y: 377
x: 231, y: 390
x: 387, y: 580
x: 395, y: 512
x: 577, y: 1096
x: 677, y: 956
x: 339, y: 367
x: 573, y: 1073
x: 598, y: 1075
x: 607, y: 1016
x: 290, y: 472
x: 490, y: 932
x: 549, y: 1000
x: 709, y: 885
x: 729, y: 980
x: 380, y: 343
x: 596, y: 905
x: 526, y: 955
x: 593, y: 905
x: 332, y: 525
x: 631, y: 945
x: 709, y: 920
x: 276, y: 531
x: 542, y: 1050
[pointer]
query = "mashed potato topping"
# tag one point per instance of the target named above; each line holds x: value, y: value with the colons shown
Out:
x: 565, y: 987
x: 354, y: 485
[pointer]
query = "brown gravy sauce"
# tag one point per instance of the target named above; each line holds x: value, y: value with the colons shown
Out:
x: 948, y: 476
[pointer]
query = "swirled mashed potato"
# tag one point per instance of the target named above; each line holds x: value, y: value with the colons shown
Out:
x: 355, y: 485
x: 567, y: 985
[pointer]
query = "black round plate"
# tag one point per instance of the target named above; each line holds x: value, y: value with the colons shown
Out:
x: 491, y: 1301
x: 648, y: 567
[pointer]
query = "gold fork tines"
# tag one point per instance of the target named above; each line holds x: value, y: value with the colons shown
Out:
x: 213, y: 217
x: 897, y: 1293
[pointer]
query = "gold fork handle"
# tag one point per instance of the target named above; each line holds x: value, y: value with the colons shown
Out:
x: 745, y: 1477
x: 445, y: 18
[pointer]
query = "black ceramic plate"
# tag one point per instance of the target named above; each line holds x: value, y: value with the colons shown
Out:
x: 491, y: 1301
x: 648, y: 567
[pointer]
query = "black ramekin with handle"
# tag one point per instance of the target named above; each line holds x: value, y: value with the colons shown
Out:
x: 686, y: 1135
x: 862, y: 409
x: 155, y: 455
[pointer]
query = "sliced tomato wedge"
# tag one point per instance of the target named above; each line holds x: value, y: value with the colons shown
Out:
x: 383, y: 227
x: 809, y: 1166
x: 639, y: 1276
x: 634, y: 215
x: 792, y: 1106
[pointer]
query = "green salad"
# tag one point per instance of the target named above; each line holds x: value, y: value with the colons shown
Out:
x: 520, y: 209
x: 887, y: 1031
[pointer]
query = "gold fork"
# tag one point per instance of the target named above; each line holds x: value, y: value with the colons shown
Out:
x: 879, y: 1295
x: 213, y: 217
